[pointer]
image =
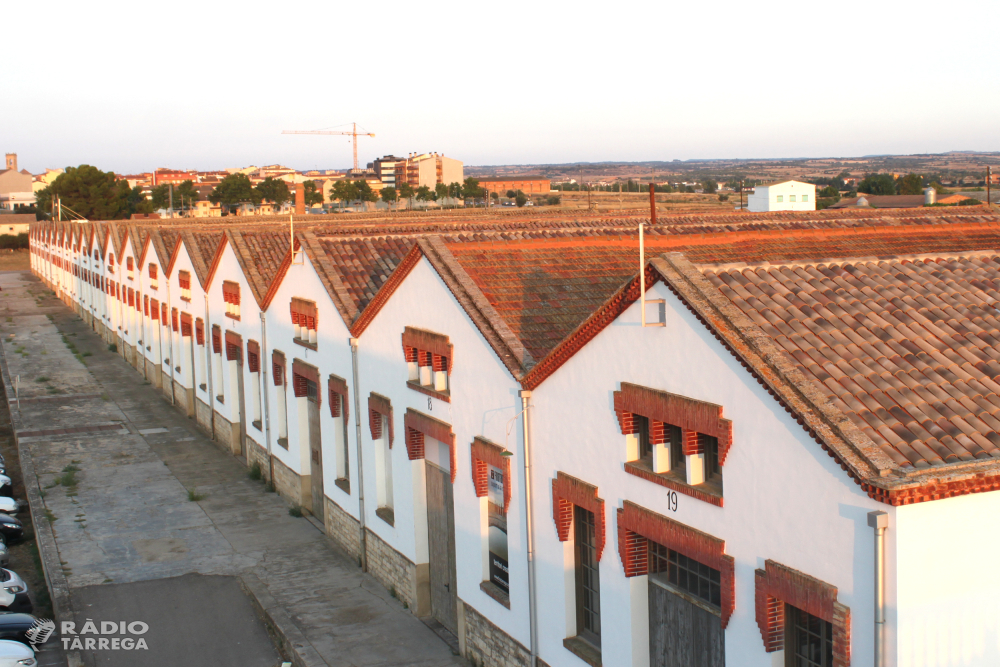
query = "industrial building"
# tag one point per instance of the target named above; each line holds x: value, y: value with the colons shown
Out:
x: 784, y: 196
x: 768, y: 442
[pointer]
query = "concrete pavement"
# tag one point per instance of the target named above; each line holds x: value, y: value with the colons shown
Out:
x: 127, y: 517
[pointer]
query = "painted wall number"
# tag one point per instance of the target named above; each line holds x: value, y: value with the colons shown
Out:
x: 672, y: 501
x: 430, y: 406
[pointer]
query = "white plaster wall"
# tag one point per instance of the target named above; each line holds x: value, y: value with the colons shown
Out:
x: 332, y: 356
x: 948, y: 606
x: 195, y: 308
x: 247, y: 327
x: 785, y: 498
x: 765, y: 197
x: 483, y: 399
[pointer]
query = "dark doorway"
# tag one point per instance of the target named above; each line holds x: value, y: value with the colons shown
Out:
x: 441, y: 545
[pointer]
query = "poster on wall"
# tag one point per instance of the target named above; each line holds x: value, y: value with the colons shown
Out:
x: 498, y: 532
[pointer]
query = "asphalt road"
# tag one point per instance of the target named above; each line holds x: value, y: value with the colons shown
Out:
x: 194, y: 620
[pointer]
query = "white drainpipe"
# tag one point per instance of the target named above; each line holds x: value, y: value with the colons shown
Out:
x: 361, y: 475
x: 529, y: 526
x: 266, y: 389
x: 879, y: 520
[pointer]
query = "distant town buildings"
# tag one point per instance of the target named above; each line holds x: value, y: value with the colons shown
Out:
x: 784, y: 196
x: 527, y: 184
x: 15, y: 186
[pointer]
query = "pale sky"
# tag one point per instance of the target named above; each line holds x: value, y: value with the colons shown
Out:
x: 130, y: 86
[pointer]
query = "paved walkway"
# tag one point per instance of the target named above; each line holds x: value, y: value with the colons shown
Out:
x: 128, y: 517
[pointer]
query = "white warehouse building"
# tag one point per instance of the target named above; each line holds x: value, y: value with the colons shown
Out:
x: 784, y: 196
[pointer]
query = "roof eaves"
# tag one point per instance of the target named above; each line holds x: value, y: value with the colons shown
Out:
x: 279, y: 276
x: 388, y: 288
x: 194, y: 254
x: 505, y: 343
x: 216, y: 259
x: 250, y: 269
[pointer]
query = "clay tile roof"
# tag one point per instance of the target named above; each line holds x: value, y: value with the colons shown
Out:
x: 263, y: 256
x: 202, y: 247
x: 365, y: 264
x: 928, y: 397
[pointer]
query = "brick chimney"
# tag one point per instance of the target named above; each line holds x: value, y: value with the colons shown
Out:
x: 11, y: 161
x: 300, y: 198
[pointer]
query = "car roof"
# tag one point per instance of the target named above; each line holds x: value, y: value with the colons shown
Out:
x: 15, y: 618
x: 12, y: 649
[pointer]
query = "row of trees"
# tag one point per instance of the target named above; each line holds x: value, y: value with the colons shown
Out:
x: 88, y: 192
x: 237, y: 189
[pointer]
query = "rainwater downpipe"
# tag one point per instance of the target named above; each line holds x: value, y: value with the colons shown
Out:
x: 266, y: 390
x: 170, y: 337
x: 879, y: 520
x: 361, y: 474
x: 209, y: 365
x: 525, y: 395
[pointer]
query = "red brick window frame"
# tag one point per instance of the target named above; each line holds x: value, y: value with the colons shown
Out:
x: 152, y: 307
x: 216, y: 339
x: 231, y: 296
x: 234, y: 347
x: 339, y: 407
x: 379, y: 406
x: 199, y: 330
x: 163, y: 314
x: 186, y: 325
x: 253, y: 356
x: 568, y: 491
x: 418, y: 426
x: 130, y: 267
x: 484, y: 455
x: 175, y: 319
x: 145, y: 305
x: 153, y: 273
x: 777, y: 585
x: 696, y: 419
x: 637, y: 526
x: 278, y: 368
x: 304, y: 322
x: 302, y: 374
x: 184, y: 280
x: 427, y: 354
x: 131, y: 298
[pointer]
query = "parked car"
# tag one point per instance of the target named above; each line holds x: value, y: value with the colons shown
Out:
x: 14, y: 596
x: 10, y: 527
x: 4, y: 554
x: 15, y: 625
x: 9, y: 505
x: 6, y: 486
x: 16, y: 654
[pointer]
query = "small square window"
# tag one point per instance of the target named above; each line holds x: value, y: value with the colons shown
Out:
x: 791, y: 198
x: 805, y: 199
x: 781, y: 198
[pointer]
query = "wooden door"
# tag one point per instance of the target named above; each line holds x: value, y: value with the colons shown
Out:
x: 441, y: 544
x: 241, y: 406
x: 681, y: 632
x: 315, y: 454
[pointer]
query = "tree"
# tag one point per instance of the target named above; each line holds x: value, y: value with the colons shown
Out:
x: 471, y: 189
x: 829, y: 192
x: 406, y: 192
x: 554, y: 200
x: 520, y: 199
x: 424, y: 193
x: 365, y: 192
x: 710, y: 186
x: 389, y: 195
x: 273, y: 190
x: 343, y: 191
x: 878, y: 184
x: 314, y: 196
x: 137, y: 202
x: 90, y: 193
x: 455, y: 190
x: 233, y: 190
x: 160, y: 196
x: 911, y: 184
x: 441, y: 190
x: 511, y: 194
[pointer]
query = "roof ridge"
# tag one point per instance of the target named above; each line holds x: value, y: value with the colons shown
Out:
x: 330, y: 276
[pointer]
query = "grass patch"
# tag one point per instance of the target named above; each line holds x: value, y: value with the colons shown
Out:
x: 42, y: 378
x: 50, y: 516
x: 71, y: 468
x: 254, y: 473
x: 68, y: 479
x: 10, y: 319
x: 194, y: 496
x: 43, y: 603
x: 88, y: 354
x: 112, y: 347
x: 295, y: 510
x: 269, y: 487
x: 105, y: 397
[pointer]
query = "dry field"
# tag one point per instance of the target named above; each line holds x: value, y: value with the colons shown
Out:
x: 14, y: 260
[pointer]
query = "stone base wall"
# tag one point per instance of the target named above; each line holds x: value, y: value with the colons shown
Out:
x: 153, y: 374
x: 128, y: 352
x: 184, y: 399
x: 224, y: 431
x: 257, y: 453
x: 166, y: 383
x: 343, y: 528
x: 203, y: 415
x: 487, y: 645
x: 287, y: 483
x: 392, y: 569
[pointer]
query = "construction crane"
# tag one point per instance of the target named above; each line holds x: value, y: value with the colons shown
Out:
x: 353, y: 134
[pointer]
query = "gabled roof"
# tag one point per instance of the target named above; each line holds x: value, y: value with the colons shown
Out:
x: 205, y: 249
x: 264, y: 257
x: 167, y: 243
x: 140, y: 235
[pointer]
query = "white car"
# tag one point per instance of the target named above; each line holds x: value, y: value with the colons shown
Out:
x: 9, y: 505
x: 16, y: 654
x: 14, y: 593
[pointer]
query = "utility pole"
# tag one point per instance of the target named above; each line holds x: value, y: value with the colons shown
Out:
x: 171, y: 209
x: 741, y: 194
x: 989, y: 177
